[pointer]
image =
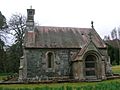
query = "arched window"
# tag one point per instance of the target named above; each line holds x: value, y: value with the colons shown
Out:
x: 50, y: 60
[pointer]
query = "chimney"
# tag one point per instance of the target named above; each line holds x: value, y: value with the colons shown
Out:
x: 30, y: 19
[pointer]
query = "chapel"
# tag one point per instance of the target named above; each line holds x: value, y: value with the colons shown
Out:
x: 62, y: 53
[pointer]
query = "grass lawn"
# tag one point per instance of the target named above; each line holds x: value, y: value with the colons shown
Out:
x: 116, y: 69
x: 4, y: 75
x: 1, y: 77
x: 104, y: 85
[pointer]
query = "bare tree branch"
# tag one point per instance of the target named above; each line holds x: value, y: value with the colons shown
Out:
x: 17, y: 24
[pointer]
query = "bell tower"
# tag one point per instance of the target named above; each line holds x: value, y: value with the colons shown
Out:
x: 30, y: 19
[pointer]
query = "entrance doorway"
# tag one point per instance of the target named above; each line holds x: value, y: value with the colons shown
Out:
x: 90, y: 66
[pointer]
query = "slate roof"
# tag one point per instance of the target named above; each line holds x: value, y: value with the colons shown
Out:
x: 61, y: 37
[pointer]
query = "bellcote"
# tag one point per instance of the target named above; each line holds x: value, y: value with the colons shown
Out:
x: 30, y: 19
x: 30, y: 14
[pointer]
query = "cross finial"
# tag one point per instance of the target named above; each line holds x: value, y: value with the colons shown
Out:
x: 92, y: 24
x: 31, y: 7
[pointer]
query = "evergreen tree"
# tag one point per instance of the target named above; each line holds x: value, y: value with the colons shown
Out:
x: 3, y: 26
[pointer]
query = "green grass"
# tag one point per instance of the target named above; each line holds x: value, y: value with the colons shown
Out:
x: 104, y: 85
x: 116, y: 69
x: 60, y: 84
x: 4, y: 75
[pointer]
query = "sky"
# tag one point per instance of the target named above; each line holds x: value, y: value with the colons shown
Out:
x: 69, y: 13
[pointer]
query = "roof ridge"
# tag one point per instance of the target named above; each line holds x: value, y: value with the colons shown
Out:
x: 62, y: 27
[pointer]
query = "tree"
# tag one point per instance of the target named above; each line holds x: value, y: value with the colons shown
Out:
x: 111, y: 53
x: 114, y: 46
x: 119, y: 32
x: 3, y: 24
x: 114, y: 34
x: 2, y: 57
x: 106, y: 38
x: 13, y: 58
x: 17, y: 25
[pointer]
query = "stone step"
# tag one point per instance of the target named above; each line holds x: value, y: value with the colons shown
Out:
x: 93, y: 80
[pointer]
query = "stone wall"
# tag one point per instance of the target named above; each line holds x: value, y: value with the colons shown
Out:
x: 106, y: 59
x: 37, y: 63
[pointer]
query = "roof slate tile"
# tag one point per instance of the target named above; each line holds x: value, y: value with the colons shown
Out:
x: 61, y: 37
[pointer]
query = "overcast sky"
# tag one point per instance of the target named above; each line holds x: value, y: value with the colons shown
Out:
x: 69, y: 13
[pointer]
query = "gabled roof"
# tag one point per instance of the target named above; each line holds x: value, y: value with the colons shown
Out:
x: 90, y: 46
x: 61, y: 37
